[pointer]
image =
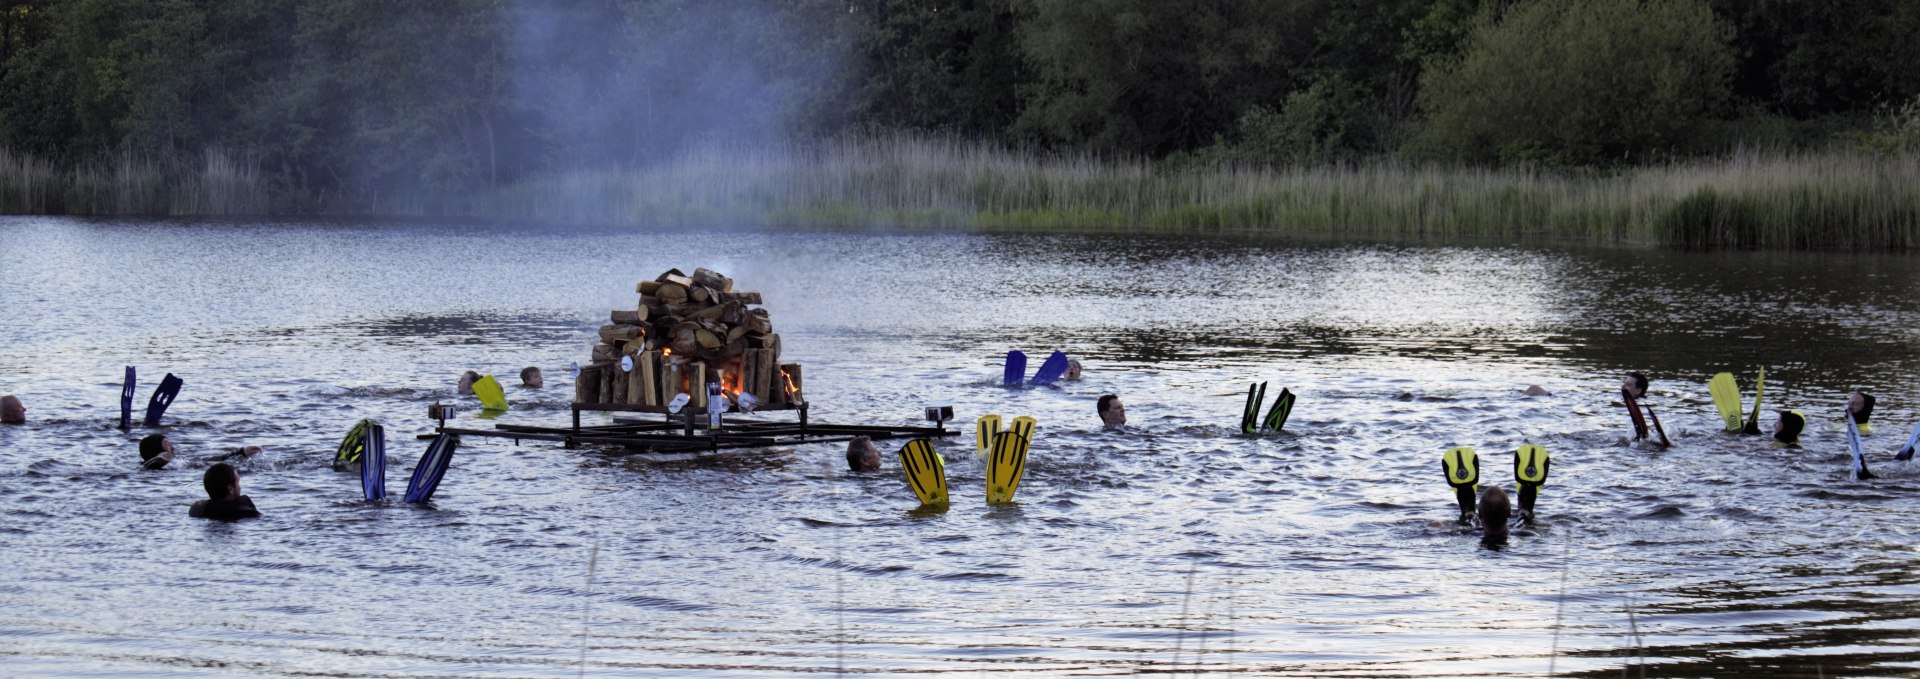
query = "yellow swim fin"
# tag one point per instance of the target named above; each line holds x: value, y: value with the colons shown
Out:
x: 1023, y: 426
x: 983, y: 433
x: 1726, y: 399
x: 1005, y: 467
x: 926, y: 472
x: 491, y: 396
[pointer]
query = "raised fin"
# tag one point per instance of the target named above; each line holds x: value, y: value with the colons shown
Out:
x: 1726, y: 399
x: 432, y: 468
x: 1005, y: 467
x: 1759, y: 393
x: 983, y: 433
x: 1051, y: 370
x: 1024, y: 426
x: 353, y: 446
x: 1282, y: 408
x: 1857, y: 450
x: 926, y: 472
x: 162, y: 397
x: 1664, y: 443
x: 1633, y: 412
x: 1906, y: 452
x: 126, y: 401
x: 492, y: 397
x: 1250, y: 416
x: 373, y: 465
x: 1016, y: 369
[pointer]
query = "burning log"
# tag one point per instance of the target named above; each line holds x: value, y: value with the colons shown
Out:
x: 686, y: 332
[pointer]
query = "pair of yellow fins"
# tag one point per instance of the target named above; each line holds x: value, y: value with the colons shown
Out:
x: 1726, y: 399
x: 1005, y: 452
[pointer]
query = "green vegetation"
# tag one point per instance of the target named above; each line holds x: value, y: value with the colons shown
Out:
x: 1775, y: 201
x: 1705, y: 123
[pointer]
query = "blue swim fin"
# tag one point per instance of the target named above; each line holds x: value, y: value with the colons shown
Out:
x: 432, y: 468
x: 162, y: 397
x: 126, y: 401
x: 1016, y: 369
x: 1052, y: 369
x: 373, y: 465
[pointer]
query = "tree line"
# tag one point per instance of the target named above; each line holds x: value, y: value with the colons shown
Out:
x: 342, y: 101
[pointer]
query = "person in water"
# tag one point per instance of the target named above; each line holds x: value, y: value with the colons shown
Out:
x: 1537, y: 390
x: 531, y: 379
x: 1635, y: 384
x: 224, y: 501
x: 862, y: 455
x: 12, y: 411
x: 466, y: 383
x: 1787, y: 427
x: 1860, y: 406
x: 155, y: 451
x: 1073, y: 370
x: 1113, y: 413
x: 1494, y: 511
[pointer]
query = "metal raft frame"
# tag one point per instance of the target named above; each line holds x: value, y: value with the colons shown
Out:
x: 687, y: 432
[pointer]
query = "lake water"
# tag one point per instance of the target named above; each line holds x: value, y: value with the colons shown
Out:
x: 1174, y: 546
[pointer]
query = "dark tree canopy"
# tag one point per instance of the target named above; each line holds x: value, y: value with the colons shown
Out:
x: 363, y: 100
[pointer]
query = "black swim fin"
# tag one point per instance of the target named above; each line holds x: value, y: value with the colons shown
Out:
x: 1250, y: 417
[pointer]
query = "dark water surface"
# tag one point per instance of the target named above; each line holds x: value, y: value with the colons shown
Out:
x: 1177, y: 545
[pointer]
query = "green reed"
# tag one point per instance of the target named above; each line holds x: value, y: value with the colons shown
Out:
x: 1832, y: 200
x: 1741, y: 200
x: 213, y: 183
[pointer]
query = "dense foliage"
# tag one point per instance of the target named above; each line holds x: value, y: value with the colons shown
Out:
x: 373, y: 104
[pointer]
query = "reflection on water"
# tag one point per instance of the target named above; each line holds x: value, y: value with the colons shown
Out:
x: 1176, y: 544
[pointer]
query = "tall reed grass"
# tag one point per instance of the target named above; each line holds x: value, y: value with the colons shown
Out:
x: 1757, y: 200
x: 1742, y: 200
x: 215, y: 183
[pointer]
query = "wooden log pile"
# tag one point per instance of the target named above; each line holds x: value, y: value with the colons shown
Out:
x: 687, y: 332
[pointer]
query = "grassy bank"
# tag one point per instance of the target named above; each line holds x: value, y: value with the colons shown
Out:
x: 1831, y: 200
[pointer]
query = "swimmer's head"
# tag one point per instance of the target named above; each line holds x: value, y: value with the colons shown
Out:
x: 862, y: 455
x: 155, y: 451
x: 222, y: 482
x: 1073, y: 370
x: 1860, y: 405
x: 1113, y: 413
x: 1787, y: 428
x: 1636, y: 383
x: 12, y: 411
x: 1494, y: 510
x: 530, y: 377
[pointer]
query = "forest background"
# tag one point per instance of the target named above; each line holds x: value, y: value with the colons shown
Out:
x: 1775, y: 123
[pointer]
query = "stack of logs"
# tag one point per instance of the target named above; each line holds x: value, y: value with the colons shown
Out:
x: 687, y: 332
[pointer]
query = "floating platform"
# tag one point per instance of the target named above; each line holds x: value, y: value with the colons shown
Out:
x: 686, y: 433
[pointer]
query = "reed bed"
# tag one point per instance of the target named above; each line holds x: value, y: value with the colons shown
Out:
x: 1741, y: 200
x: 1749, y: 200
x: 214, y: 183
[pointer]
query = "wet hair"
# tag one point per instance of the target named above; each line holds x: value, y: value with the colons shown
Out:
x: 1791, y: 424
x: 528, y: 372
x: 1105, y: 403
x: 150, y: 446
x: 856, y: 453
x: 1639, y: 382
x: 1495, y: 511
x: 218, y: 478
x: 1866, y: 408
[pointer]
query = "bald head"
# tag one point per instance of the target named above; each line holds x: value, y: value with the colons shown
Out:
x: 12, y: 411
